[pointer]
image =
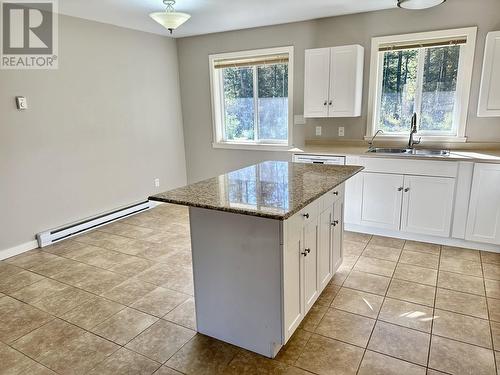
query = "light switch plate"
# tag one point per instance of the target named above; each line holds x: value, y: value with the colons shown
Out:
x: 341, y: 131
x: 21, y: 102
x: 318, y: 130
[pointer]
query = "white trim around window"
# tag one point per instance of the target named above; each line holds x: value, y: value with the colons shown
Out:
x: 216, y: 87
x: 464, y: 80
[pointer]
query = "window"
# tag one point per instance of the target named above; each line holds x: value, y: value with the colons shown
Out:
x: 428, y: 74
x: 252, y: 98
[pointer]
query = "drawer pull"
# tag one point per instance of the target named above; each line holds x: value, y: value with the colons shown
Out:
x: 335, y: 223
x: 400, y: 189
x: 306, y: 216
x: 335, y: 193
x: 407, y: 190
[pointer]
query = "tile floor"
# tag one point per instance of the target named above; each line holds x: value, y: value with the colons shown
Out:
x: 119, y: 300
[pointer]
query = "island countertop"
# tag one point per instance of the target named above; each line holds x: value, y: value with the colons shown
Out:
x: 271, y: 189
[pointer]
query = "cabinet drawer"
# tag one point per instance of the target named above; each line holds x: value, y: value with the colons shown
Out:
x: 308, y: 214
x: 410, y: 166
x: 331, y: 197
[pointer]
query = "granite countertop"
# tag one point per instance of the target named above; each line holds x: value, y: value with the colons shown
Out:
x: 272, y: 189
x: 472, y: 155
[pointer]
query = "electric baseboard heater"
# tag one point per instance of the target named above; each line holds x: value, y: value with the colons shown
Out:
x: 52, y: 236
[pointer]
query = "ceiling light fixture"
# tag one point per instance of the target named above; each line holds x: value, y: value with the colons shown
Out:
x: 170, y: 19
x: 419, y: 4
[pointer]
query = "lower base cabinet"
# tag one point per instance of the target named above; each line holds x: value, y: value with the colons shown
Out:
x: 407, y: 203
x: 483, y: 222
x: 312, y: 253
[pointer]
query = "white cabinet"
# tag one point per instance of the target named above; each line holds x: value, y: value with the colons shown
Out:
x: 316, y: 82
x: 489, y: 96
x: 407, y: 203
x: 333, y: 81
x: 427, y: 205
x: 337, y: 243
x: 310, y: 256
x: 483, y: 222
x: 381, y: 202
x: 312, y: 252
x: 325, y: 243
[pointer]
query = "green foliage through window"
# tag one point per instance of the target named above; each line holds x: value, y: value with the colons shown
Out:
x: 422, y: 81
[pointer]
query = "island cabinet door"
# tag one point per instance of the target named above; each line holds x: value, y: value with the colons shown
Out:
x: 337, y: 234
x: 310, y: 253
x: 293, y: 264
x: 325, y: 251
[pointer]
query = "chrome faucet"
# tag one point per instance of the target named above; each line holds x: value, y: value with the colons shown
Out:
x: 413, y: 130
x: 370, y: 144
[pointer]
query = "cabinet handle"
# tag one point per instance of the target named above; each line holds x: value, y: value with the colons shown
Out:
x: 304, y: 253
x: 326, y: 102
x: 400, y: 189
x: 307, y: 250
x: 335, y: 193
x: 306, y: 216
x: 407, y: 190
x: 335, y: 223
x: 331, y: 102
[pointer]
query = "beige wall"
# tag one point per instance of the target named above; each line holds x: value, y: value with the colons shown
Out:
x: 203, y: 161
x: 97, y: 132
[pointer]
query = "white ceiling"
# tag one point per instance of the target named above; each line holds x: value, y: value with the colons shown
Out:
x: 209, y: 16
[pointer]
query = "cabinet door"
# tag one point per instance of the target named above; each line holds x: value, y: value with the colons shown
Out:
x: 428, y: 205
x: 381, y: 200
x: 337, y: 234
x: 293, y: 275
x: 325, y: 260
x: 489, y: 96
x: 483, y: 222
x: 310, y: 253
x: 316, y: 82
x: 346, y: 81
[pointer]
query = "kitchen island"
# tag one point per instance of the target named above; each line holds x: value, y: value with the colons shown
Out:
x: 266, y: 240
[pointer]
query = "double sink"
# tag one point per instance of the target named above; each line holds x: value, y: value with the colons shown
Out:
x: 409, y: 151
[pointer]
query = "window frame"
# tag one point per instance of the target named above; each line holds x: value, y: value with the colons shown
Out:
x: 464, y: 80
x: 217, y: 100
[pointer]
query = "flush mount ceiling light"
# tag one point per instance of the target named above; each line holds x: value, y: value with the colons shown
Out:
x: 170, y: 19
x: 419, y: 4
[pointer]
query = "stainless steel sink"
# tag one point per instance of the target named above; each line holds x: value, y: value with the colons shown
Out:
x: 409, y: 152
x: 388, y: 150
x: 430, y: 152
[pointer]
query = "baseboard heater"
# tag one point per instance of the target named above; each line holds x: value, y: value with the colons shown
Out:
x: 59, y: 234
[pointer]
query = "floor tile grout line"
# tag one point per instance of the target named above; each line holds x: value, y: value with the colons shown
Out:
x: 374, y: 324
x: 33, y: 359
x: 434, y: 309
x: 489, y: 315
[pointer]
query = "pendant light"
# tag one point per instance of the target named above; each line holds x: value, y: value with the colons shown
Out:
x: 170, y: 19
x: 419, y: 4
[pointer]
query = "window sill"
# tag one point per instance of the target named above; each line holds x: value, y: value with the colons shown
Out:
x: 254, y: 146
x: 425, y: 139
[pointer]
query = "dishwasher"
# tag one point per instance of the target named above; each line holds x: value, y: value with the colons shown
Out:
x: 319, y: 159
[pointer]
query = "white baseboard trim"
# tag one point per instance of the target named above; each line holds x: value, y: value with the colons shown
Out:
x: 422, y: 238
x: 16, y: 250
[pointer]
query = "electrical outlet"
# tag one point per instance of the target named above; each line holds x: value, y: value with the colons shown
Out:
x: 21, y: 102
x: 157, y: 182
x: 318, y: 130
x: 341, y: 131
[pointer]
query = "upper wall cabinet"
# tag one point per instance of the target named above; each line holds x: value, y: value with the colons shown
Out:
x: 489, y: 97
x: 333, y: 81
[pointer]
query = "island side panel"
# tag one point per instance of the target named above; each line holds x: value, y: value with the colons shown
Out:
x: 237, y: 279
